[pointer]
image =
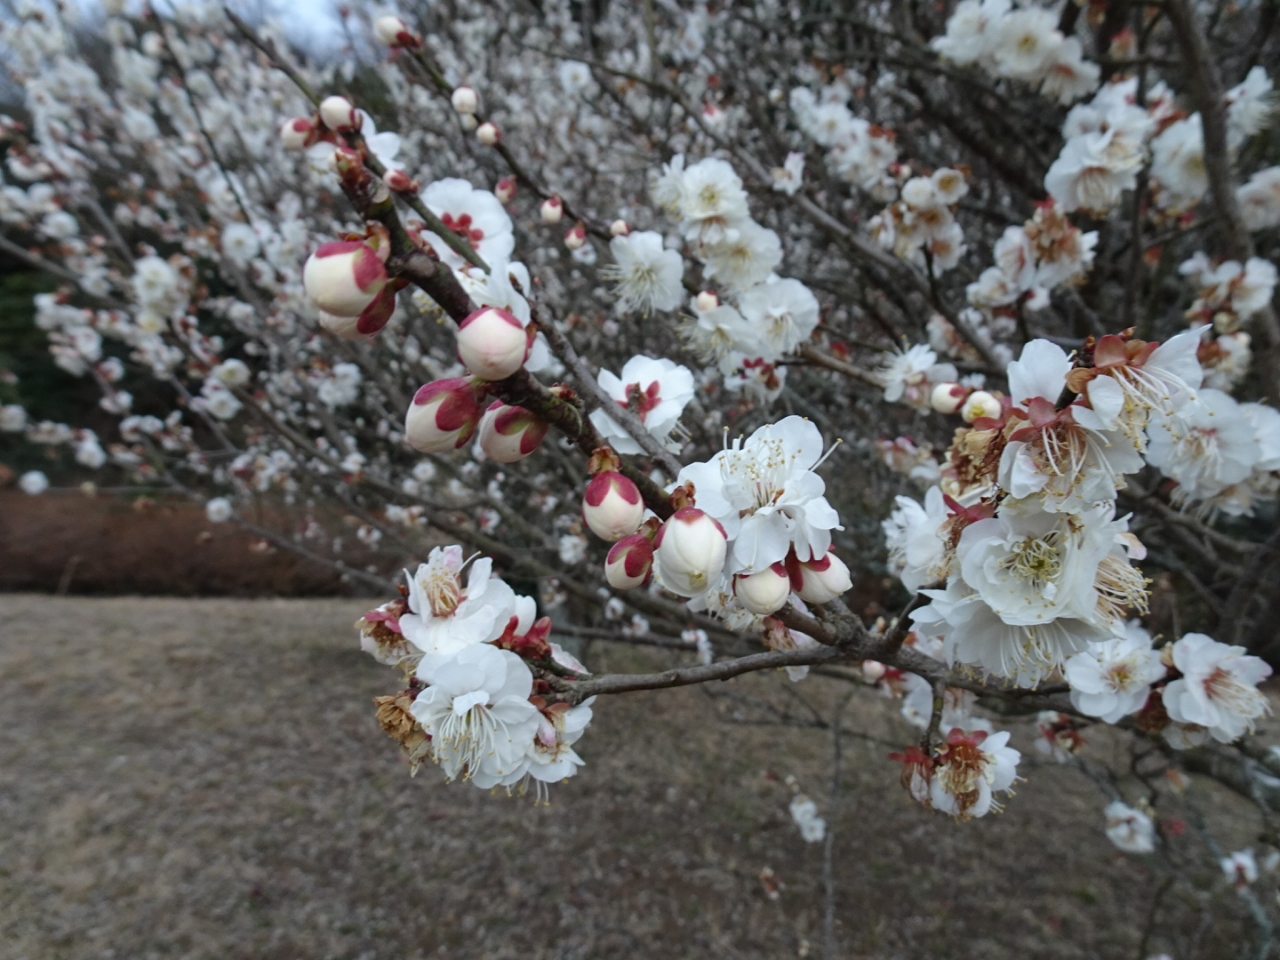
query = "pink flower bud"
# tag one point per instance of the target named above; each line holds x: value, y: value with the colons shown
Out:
x: 619, y: 228
x: 488, y: 134
x: 394, y: 32
x: 400, y: 182
x: 509, y: 433
x: 947, y: 397
x: 444, y: 415
x: 505, y: 190
x: 819, y: 581
x: 576, y: 236
x: 629, y: 562
x: 464, y: 100
x: 690, y: 549
x: 707, y: 300
x: 765, y: 592
x: 298, y: 133
x: 980, y: 404
x: 492, y: 343
x: 344, y: 277
x: 552, y: 210
x: 612, y: 506
x: 339, y: 114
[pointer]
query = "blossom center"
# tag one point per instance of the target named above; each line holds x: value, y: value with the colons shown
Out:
x: 1037, y: 562
x: 461, y: 225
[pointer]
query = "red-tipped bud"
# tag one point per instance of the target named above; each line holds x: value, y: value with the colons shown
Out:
x: 629, y: 563
x: 619, y: 228
x: 505, y: 190
x: 552, y: 210
x: 344, y: 277
x: 690, y: 550
x: 947, y: 397
x: 819, y: 581
x: 400, y: 182
x: 576, y: 236
x: 299, y: 133
x: 612, y: 506
x: 488, y: 133
x: 765, y: 592
x: 444, y: 415
x: 394, y: 32
x: 492, y: 343
x: 339, y: 114
x: 509, y: 433
x: 707, y: 300
x: 464, y: 100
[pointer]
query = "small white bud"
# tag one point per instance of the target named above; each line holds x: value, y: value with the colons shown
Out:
x: 690, y: 550
x: 487, y: 134
x: 492, y: 343
x: 706, y: 300
x: 338, y: 114
x: 947, y: 397
x: 552, y: 210
x: 765, y: 592
x: 619, y: 228
x: 979, y: 404
x: 821, y: 581
x: 612, y: 506
x: 464, y: 100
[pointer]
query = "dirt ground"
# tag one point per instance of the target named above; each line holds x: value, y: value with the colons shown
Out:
x: 204, y: 779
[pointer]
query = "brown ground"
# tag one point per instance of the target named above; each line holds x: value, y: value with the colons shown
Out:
x: 67, y: 542
x: 204, y: 779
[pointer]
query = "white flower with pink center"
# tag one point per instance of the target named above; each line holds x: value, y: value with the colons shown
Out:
x: 1218, y: 689
x: 656, y: 391
x: 1112, y: 679
x: 445, y: 616
x: 475, y: 215
x: 766, y: 496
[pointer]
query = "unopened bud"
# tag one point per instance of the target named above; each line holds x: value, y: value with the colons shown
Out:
x: 394, y: 32
x: 619, y: 228
x: 339, y: 114
x: 552, y: 210
x: 629, y: 563
x: 505, y: 190
x: 464, y: 100
x: 576, y: 236
x: 400, y: 182
x: 492, y: 343
x: 344, y: 277
x: 819, y: 581
x: 488, y: 134
x: 690, y: 550
x: 612, y: 506
x: 980, y: 404
x: 444, y: 415
x: 765, y: 592
x: 298, y: 133
x: 468, y: 121
x: 345, y: 327
x: 947, y: 397
x: 873, y: 670
x: 706, y: 300
x: 509, y: 433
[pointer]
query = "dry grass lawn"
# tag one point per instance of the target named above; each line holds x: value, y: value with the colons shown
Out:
x: 204, y: 779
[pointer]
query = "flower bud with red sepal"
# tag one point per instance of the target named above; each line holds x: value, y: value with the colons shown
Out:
x: 493, y: 344
x: 764, y: 592
x: 509, y: 433
x: 444, y: 414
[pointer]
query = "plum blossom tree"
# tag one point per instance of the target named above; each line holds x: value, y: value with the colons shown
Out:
x: 983, y: 292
